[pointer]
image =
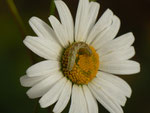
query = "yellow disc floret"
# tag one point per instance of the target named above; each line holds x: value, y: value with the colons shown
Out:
x: 80, y: 63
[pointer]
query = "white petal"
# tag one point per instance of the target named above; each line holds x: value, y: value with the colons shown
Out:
x: 66, y: 19
x: 118, y: 55
x: 103, y: 23
x: 64, y: 98
x: 119, y: 43
x: 53, y: 94
x: 118, y: 82
x: 42, y: 29
x: 82, y: 101
x: 108, y: 34
x: 121, y: 67
x: 112, y: 91
x: 43, y: 48
x: 43, y: 68
x: 85, y: 19
x: 81, y: 19
x: 105, y: 100
x: 93, y: 13
x: 91, y: 18
x: 30, y: 81
x: 74, y: 102
x: 78, y: 103
x: 90, y: 100
x: 59, y: 31
x: 42, y: 87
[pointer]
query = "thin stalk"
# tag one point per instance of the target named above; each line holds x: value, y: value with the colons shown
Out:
x: 36, y: 106
x: 17, y: 17
x: 22, y: 29
x: 50, y: 109
x: 19, y: 23
x: 52, y: 7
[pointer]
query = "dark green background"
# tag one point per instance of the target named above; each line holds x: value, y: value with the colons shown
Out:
x: 14, y: 60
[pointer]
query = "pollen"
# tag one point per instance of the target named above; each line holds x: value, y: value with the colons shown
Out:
x: 80, y: 63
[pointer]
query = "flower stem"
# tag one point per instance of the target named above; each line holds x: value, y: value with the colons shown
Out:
x: 52, y: 7
x: 19, y: 23
x: 36, y: 106
x: 17, y: 17
x: 50, y: 109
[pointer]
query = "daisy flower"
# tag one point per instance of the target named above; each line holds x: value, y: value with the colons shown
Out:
x: 80, y: 60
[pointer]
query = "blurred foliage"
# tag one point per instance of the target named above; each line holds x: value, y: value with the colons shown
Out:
x: 14, y: 59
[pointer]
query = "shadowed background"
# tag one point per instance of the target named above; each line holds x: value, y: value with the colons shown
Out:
x: 14, y: 59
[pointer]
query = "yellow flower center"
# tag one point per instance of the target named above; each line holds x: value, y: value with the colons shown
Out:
x: 80, y: 63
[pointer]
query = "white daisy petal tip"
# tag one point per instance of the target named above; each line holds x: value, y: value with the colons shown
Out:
x: 108, y: 12
x: 29, y: 94
x: 130, y: 94
x: 135, y: 67
x: 26, y: 81
x: 118, y: 20
x: 43, y: 47
x: 42, y: 105
x: 43, y: 68
x: 26, y: 38
x: 125, y: 67
x: 53, y: 94
x: 103, y: 22
x: 131, y: 35
x: 138, y: 68
x: 113, y: 86
x: 66, y: 19
x: 26, y: 41
x: 22, y: 81
x: 32, y: 19
x: 35, y: 21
